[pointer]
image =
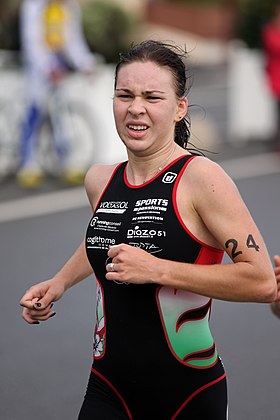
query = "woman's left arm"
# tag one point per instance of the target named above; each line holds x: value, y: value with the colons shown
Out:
x: 219, y: 212
x: 217, y: 202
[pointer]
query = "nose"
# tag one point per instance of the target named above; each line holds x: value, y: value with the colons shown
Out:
x: 137, y: 106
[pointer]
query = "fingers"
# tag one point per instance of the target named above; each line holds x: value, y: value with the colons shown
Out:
x: 111, y: 267
x: 112, y: 270
x: 276, y: 260
x: 28, y: 300
x: 277, y: 269
x: 111, y: 262
x: 38, y: 302
x: 37, y: 299
x: 44, y: 302
x: 275, y: 307
x: 35, y: 316
x: 114, y: 250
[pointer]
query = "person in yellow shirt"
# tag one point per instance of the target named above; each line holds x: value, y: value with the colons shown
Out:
x: 55, y: 17
x: 52, y: 42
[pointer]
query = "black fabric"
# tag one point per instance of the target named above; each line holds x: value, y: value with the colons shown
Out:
x: 135, y: 354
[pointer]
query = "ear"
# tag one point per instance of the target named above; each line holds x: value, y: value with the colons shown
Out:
x: 182, y: 108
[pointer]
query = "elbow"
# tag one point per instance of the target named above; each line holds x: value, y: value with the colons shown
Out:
x: 273, y: 294
x: 268, y: 291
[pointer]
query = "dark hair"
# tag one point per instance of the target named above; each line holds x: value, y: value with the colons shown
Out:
x: 165, y: 55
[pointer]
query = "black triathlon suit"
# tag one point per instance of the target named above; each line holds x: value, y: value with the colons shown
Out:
x: 154, y: 355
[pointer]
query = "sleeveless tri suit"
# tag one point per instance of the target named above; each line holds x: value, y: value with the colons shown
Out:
x: 154, y: 355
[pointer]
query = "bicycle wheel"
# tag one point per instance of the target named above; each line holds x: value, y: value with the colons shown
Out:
x: 66, y: 147
x: 80, y: 132
x: 47, y: 155
x: 73, y: 141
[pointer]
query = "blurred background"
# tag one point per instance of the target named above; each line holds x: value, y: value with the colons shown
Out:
x: 44, y: 369
x: 232, y: 105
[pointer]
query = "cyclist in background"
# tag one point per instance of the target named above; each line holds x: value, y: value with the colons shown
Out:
x: 52, y: 42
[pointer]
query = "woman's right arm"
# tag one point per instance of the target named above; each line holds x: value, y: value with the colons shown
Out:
x: 37, y: 302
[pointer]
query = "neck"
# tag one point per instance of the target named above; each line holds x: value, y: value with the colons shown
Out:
x: 140, y: 172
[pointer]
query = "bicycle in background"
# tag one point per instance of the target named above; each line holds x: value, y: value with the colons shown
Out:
x: 65, y: 135
x: 12, y: 112
x: 52, y: 46
x: 65, y: 146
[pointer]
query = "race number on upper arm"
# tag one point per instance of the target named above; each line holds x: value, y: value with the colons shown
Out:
x: 235, y: 250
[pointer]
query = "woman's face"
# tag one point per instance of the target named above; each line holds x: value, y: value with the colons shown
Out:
x: 146, y: 107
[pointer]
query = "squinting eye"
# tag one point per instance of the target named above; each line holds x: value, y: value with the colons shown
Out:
x: 124, y: 96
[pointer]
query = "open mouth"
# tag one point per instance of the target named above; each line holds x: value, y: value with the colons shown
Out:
x: 138, y: 128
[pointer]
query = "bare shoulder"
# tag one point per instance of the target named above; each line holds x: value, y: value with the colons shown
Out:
x: 214, y: 195
x: 96, y: 180
x: 206, y: 175
x: 201, y: 165
x: 209, y: 186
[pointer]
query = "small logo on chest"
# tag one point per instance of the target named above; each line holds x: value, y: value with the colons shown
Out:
x: 118, y: 207
x: 169, y: 177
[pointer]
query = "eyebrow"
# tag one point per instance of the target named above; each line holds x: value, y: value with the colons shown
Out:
x: 145, y: 92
